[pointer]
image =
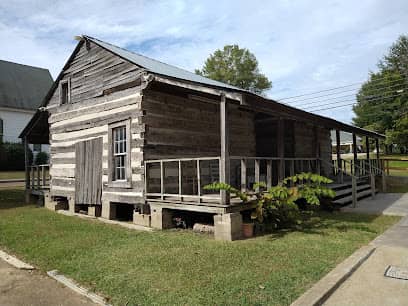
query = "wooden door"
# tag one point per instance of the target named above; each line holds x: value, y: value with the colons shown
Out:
x: 88, y: 172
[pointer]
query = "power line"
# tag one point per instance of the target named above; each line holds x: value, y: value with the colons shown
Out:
x: 332, y: 94
x: 338, y: 106
x: 334, y: 88
x: 345, y: 96
x: 312, y: 93
x: 321, y: 96
x: 311, y: 108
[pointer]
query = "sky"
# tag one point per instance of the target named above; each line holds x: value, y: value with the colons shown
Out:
x: 301, y: 46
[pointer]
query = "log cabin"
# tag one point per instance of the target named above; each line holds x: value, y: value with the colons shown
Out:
x: 135, y: 139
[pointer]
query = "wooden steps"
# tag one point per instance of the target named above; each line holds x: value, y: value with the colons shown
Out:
x: 344, y: 194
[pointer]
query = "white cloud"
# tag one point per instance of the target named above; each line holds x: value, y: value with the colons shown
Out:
x: 302, y: 46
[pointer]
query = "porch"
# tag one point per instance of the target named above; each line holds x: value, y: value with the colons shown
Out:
x: 181, y: 181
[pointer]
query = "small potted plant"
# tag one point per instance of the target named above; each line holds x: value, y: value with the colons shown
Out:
x: 248, y: 229
x: 247, y: 225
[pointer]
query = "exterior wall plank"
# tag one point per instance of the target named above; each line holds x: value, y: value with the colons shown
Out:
x: 180, y: 127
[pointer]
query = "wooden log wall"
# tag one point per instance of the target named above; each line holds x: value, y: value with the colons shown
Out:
x: 93, y: 71
x: 179, y: 127
x: 93, y: 74
x: 267, y: 140
x: 304, y: 140
x: 305, y: 143
x: 266, y: 137
x: 325, y: 150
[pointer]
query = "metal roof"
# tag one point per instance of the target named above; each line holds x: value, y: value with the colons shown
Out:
x: 165, y: 70
x: 159, y: 67
x: 22, y: 86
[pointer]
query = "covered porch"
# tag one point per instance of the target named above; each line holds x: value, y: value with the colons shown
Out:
x: 37, y: 177
x: 286, y: 141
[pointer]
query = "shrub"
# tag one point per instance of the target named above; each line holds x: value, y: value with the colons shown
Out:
x: 12, y: 156
x: 41, y: 158
x: 278, y: 205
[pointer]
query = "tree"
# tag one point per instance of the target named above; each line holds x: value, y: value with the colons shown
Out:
x: 237, y: 67
x: 382, y: 102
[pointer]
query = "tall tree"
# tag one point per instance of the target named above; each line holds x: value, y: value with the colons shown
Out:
x: 237, y: 67
x: 382, y: 102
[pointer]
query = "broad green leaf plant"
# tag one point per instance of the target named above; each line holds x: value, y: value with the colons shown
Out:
x: 278, y: 205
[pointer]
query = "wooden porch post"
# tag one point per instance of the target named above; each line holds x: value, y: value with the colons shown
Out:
x: 355, y: 157
x: 281, y: 149
x: 225, y: 156
x: 317, y: 149
x: 368, y: 164
x: 368, y: 147
x: 339, y: 165
x: 27, y: 171
x: 377, y: 148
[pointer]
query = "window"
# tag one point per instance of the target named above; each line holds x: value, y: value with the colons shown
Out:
x: 37, y: 147
x: 65, y: 91
x: 119, y: 153
x: 120, y: 171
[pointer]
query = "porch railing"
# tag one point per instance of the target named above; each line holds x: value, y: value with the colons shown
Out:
x: 360, y: 167
x: 183, y: 179
x: 38, y: 177
x: 356, y: 172
x: 271, y: 170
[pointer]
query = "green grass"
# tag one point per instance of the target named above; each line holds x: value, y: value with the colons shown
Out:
x: 398, y: 164
x: 179, y: 267
x: 12, y: 175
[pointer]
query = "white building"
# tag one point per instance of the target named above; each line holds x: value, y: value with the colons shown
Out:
x: 22, y: 89
x: 346, y: 142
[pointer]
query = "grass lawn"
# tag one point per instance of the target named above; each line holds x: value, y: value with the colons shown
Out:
x: 403, y: 165
x: 12, y: 175
x: 180, y: 267
x: 399, y: 164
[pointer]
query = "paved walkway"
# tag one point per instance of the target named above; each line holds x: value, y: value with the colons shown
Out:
x: 31, y: 288
x: 368, y: 285
x: 384, y: 203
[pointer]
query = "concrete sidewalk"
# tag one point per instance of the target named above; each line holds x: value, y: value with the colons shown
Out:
x: 31, y: 288
x: 368, y: 285
x: 393, y: 204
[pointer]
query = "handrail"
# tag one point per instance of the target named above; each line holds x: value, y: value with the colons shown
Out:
x: 275, y: 158
x: 383, y: 175
x: 264, y: 169
x: 168, y: 160
x: 354, y: 181
x: 353, y: 166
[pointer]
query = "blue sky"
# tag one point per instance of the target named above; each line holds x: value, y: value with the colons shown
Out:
x: 302, y: 46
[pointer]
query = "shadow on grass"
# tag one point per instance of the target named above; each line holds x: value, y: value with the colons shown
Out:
x: 320, y: 222
x: 12, y: 198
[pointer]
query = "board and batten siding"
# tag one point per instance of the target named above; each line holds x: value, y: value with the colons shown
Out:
x: 177, y: 127
x: 93, y: 106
